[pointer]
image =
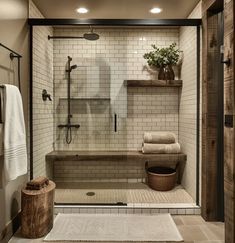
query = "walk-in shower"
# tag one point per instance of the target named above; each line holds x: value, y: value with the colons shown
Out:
x: 93, y: 156
x: 69, y: 126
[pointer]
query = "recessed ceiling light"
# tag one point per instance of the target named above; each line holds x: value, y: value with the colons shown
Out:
x: 155, y: 10
x: 82, y: 10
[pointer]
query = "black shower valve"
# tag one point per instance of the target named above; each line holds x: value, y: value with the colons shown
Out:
x: 45, y: 95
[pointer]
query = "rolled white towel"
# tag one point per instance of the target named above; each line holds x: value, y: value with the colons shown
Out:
x: 151, y: 148
x: 159, y: 137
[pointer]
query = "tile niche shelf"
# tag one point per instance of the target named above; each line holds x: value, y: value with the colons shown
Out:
x: 153, y: 83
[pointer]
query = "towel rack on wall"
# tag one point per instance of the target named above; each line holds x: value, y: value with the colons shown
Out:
x: 12, y: 56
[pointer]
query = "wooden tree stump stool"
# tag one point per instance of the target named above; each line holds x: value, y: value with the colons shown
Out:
x: 37, y: 208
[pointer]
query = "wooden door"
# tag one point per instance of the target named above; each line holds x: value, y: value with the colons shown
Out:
x: 229, y: 111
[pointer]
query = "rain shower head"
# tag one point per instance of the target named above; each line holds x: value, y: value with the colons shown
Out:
x: 91, y: 36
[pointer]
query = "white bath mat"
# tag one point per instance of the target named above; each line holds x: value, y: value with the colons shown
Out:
x: 114, y: 227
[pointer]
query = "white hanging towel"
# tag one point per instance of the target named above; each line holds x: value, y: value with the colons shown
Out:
x: 1, y: 119
x: 15, y: 154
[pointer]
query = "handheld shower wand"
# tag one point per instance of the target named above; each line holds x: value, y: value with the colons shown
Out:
x: 69, y: 126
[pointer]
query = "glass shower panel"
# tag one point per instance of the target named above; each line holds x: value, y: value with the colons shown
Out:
x: 91, y: 108
x: 95, y: 177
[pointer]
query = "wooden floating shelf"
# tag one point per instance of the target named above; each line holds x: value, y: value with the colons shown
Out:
x: 153, y: 83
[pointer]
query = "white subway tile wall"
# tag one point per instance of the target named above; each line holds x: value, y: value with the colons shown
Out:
x: 98, y: 89
x: 107, y: 170
x: 42, y: 110
x: 187, y: 110
x: 99, y: 171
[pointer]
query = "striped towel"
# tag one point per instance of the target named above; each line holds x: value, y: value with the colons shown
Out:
x: 15, y: 155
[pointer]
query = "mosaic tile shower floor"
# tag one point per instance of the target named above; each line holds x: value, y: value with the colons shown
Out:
x: 111, y: 193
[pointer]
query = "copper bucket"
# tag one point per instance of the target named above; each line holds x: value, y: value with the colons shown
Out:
x: 161, y: 178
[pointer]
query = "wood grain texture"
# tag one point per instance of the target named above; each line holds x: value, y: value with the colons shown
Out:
x: 209, y: 117
x: 111, y: 155
x: 37, y: 211
x: 153, y: 83
x: 209, y: 113
x: 229, y: 136
x: 206, y: 4
x: 69, y: 160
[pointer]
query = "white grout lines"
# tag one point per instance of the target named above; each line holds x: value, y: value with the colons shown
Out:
x: 135, y: 209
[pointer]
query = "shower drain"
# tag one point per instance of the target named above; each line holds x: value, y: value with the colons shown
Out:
x: 90, y: 194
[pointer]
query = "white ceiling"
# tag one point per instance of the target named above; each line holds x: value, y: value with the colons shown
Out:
x: 116, y: 9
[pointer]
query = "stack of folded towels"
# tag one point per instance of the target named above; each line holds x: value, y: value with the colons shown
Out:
x: 160, y: 143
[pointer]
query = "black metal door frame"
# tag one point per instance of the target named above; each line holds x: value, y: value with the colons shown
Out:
x: 123, y: 22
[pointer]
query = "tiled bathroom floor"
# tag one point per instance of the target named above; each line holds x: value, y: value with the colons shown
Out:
x: 192, y: 228
x: 130, y: 193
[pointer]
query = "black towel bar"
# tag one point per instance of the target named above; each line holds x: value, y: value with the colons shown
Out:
x: 13, y: 52
x: 13, y: 55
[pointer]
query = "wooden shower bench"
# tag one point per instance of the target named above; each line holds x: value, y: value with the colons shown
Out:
x: 169, y: 160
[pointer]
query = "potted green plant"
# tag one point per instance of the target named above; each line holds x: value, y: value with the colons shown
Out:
x: 163, y: 59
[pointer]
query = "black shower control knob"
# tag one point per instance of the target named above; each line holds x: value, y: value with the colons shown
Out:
x: 45, y: 95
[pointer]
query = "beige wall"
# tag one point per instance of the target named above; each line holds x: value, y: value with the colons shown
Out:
x: 14, y: 34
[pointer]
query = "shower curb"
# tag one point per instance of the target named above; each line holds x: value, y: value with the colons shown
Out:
x: 186, y: 210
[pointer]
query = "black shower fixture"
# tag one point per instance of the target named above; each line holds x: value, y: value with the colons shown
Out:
x: 68, y: 125
x: 91, y: 36
x: 73, y: 67
x: 45, y: 95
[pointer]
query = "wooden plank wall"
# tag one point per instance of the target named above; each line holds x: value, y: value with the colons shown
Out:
x: 229, y: 136
x: 209, y: 172
x: 209, y: 112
